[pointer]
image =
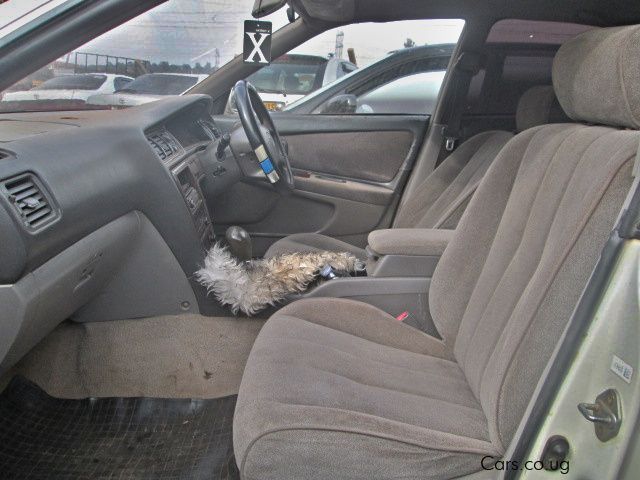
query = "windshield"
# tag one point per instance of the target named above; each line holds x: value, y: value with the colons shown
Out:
x: 165, y: 51
x: 160, y: 84
x: 73, y: 82
x: 177, y: 44
x: 291, y: 75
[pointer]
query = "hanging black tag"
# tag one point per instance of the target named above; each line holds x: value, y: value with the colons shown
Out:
x: 257, y: 42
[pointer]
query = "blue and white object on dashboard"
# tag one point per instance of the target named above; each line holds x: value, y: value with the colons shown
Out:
x: 266, y: 164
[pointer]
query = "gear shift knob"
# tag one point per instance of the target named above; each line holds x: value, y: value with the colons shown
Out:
x: 239, y: 242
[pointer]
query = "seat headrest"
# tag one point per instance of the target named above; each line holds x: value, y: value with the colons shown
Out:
x: 596, y: 76
x: 539, y: 106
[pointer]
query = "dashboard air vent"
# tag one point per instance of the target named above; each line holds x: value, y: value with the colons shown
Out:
x: 164, y: 144
x: 28, y: 197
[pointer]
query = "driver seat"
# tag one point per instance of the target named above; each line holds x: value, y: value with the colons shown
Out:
x: 441, y: 199
x: 335, y: 388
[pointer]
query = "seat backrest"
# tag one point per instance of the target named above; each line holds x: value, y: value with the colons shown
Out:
x: 444, y: 195
x: 524, y: 249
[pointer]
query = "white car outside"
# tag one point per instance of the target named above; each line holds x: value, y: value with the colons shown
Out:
x: 147, y: 88
x: 293, y: 76
x: 78, y: 87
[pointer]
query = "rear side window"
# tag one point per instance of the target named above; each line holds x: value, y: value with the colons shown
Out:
x: 519, y: 56
x: 519, y: 73
x: 534, y: 32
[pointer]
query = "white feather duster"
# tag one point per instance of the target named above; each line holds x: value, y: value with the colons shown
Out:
x: 252, y: 286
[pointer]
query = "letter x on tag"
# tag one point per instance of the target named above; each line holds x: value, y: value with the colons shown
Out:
x: 257, y: 42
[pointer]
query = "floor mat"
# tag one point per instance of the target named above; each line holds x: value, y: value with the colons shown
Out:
x: 116, y: 438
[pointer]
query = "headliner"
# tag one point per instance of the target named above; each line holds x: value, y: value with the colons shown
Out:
x: 592, y: 12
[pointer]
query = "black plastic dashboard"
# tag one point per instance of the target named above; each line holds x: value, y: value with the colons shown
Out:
x: 90, y: 168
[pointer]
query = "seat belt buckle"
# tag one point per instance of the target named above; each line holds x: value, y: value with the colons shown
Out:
x: 450, y: 144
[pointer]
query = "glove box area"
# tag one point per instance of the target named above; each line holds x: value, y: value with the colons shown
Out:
x: 100, y: 277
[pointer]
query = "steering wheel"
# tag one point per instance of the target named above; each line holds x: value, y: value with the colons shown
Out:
x: 263, y: 137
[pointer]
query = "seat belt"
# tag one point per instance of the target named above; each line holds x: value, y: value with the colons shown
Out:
x: 466, y: 66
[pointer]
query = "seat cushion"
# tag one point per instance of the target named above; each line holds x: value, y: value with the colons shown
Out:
x: 339, y: 389
x: 312, y: 242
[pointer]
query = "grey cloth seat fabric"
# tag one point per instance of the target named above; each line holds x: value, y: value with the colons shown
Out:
x: 338, y: 389
x: 334, y: 394
x: 443, y: 196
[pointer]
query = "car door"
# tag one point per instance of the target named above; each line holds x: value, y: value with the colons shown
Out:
x: 350, y: 166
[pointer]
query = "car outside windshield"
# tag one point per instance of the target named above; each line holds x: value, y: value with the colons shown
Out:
x: 73, y: 82
x: 160, y: 84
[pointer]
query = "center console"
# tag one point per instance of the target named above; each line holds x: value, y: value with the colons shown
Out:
x: 400, y: 265
x: 178, y: 143
x: 187, y: 175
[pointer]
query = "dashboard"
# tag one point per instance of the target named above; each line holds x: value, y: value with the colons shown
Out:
x: 102, y: 215
x: 76, y: 171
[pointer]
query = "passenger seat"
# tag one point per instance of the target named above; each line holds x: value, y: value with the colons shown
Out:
x: 335, y: 388
x: 444, y: 195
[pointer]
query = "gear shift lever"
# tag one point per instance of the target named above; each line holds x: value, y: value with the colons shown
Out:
x: 239, y: 243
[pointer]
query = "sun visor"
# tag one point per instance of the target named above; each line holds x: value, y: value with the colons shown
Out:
x: 327, y: 10
x: 262, y: 8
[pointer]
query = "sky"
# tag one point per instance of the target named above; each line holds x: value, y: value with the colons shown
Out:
x: 190, y: 31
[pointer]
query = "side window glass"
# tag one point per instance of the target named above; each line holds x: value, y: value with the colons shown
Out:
x: 354, y: 60
x: 410, y: 88
x: 521, y: 56
x: 411, y: 95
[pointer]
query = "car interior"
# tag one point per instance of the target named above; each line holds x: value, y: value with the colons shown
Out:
x: 480, y: 226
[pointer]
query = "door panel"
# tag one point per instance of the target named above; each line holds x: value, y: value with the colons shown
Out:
x: 340, y: 188
x: 372, y: 147
x: 373, y: 156
x: 348, y: 170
